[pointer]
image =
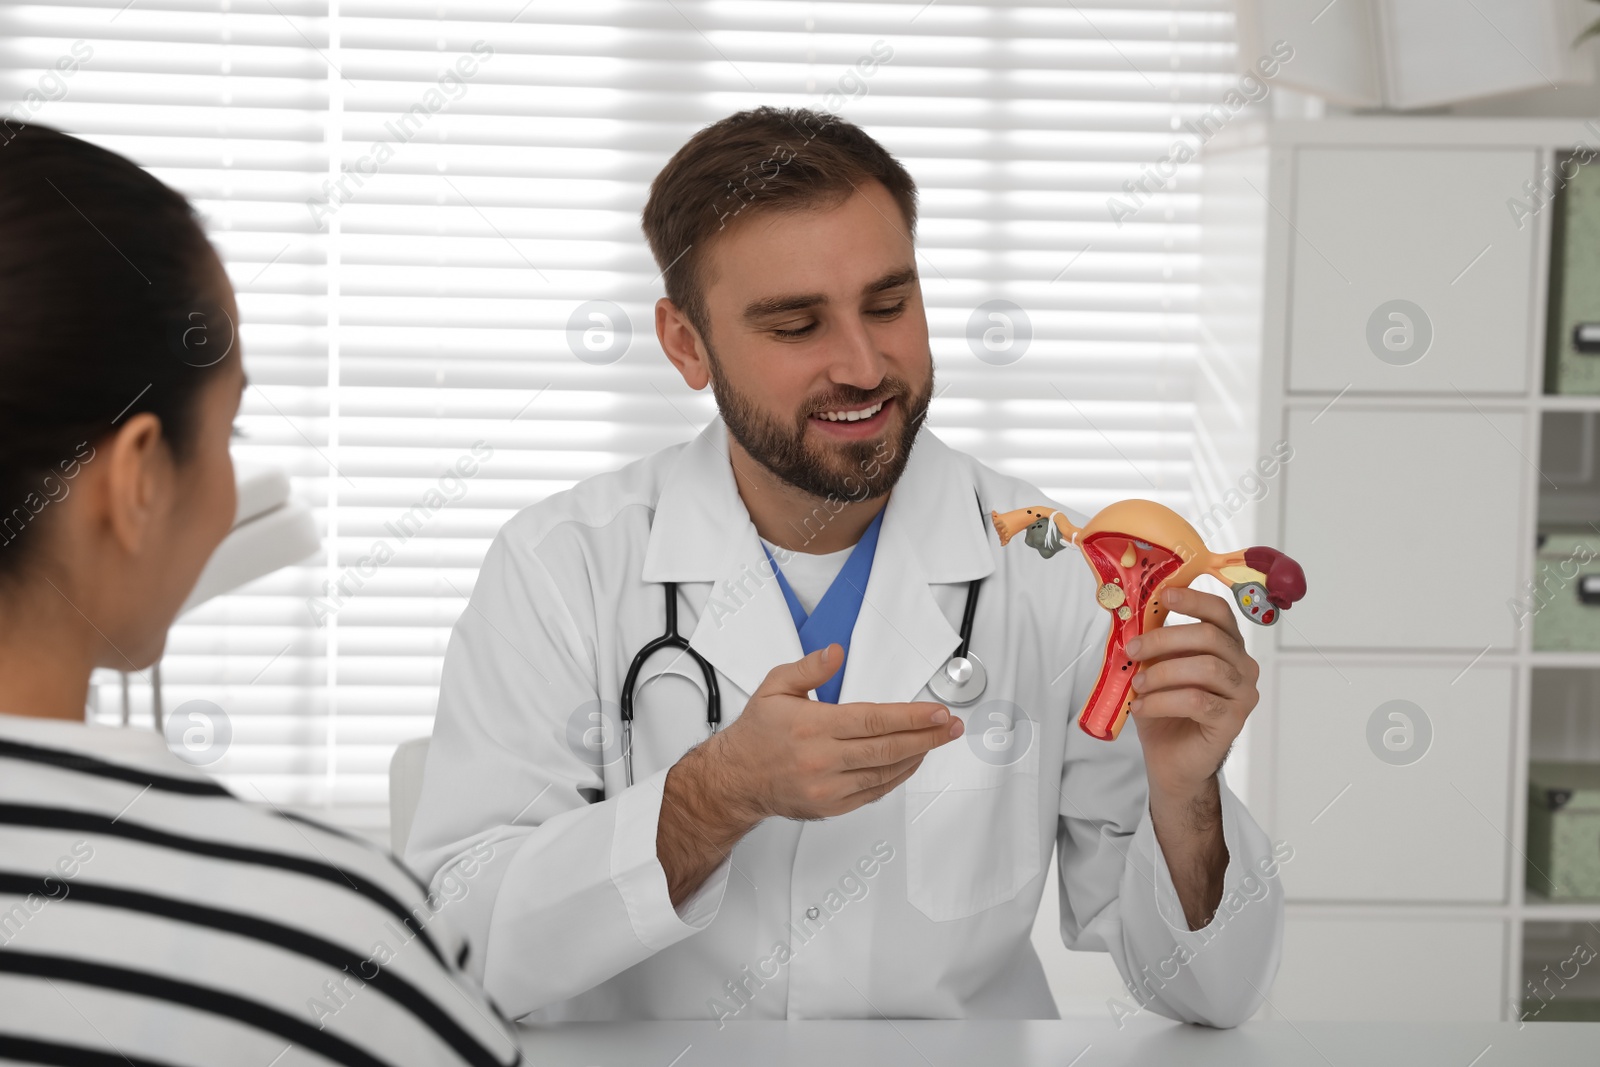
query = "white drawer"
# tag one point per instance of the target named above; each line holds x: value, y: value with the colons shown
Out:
x: 1406, y: 523
x: 1428, y: 226
x: 1420, y: 969
x: 1392, y: 782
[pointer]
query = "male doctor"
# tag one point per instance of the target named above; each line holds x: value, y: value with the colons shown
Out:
x: 867, y: 851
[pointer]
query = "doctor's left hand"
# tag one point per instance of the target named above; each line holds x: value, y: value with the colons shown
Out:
x: 1196, y: 687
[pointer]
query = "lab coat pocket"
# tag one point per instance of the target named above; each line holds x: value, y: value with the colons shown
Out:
x: 971, y: 824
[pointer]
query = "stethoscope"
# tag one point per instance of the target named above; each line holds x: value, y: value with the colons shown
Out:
x: 960, y: 680
x: 669, y: 639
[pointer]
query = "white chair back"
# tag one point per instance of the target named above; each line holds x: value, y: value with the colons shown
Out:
x: 405, y: 789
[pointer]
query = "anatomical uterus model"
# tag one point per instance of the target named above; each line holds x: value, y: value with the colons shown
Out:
x: 1137, y: 548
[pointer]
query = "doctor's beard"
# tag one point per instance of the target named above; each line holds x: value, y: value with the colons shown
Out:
x: 851, y: 470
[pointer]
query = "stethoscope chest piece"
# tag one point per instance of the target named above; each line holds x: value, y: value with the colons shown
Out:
x: 960, y: 681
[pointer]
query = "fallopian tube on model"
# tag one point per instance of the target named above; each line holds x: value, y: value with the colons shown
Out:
x: 1137, y: 548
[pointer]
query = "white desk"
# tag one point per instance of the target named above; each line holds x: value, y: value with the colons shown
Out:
x: 1026, y: 1043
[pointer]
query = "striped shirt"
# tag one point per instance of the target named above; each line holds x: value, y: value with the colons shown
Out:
x: 148, y: 917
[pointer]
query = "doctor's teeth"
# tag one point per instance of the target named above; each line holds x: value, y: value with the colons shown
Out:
x: 851, y: 416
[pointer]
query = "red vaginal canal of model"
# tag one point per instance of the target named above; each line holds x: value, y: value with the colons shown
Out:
x: 1129, y: 573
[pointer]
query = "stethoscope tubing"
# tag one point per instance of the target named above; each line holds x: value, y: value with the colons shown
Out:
x: 669, y: 639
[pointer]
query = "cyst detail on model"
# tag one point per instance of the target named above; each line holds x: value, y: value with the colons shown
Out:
x: 1137, y: 548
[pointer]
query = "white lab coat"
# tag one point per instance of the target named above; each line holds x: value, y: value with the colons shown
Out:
x: 923, y: 902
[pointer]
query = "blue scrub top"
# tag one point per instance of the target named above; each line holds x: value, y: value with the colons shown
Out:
x: 834, y: 618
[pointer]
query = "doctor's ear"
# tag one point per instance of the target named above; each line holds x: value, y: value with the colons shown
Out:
x: 681, y: 342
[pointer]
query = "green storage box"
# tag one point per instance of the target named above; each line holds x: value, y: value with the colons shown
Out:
x: 1564, y: 830
x: 1572, y: 333
x: 1565, y: 599
x: 1561, y: 1010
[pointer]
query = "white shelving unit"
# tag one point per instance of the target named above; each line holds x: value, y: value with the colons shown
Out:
x: 1412, y: 500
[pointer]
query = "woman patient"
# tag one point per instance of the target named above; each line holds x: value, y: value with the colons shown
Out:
x: 146, y: 915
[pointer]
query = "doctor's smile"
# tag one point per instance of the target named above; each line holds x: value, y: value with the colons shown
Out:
x: 854, y: 423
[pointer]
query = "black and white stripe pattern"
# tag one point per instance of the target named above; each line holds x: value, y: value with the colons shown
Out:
x: 149, y: 917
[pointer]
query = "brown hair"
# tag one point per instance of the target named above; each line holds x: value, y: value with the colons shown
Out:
x: 765, y: 159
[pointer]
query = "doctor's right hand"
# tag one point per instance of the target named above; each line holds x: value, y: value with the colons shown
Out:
x: 799, y: 758
x: 790, y: 756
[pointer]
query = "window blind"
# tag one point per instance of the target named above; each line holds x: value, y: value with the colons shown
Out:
x: 415, y: 201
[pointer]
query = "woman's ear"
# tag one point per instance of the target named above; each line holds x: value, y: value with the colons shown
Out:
x: 681, y: 342
x: 136, y: 481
